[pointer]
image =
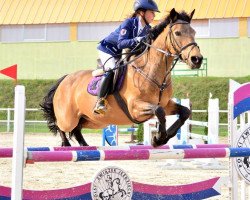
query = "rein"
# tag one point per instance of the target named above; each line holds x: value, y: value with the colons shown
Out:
x: 177, y: 56
x: 164, y: 84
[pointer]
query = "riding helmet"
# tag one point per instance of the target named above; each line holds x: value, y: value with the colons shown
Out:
x: 146, y: 4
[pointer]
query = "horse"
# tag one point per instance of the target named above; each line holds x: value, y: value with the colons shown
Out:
x: 146, y: 91
x: 113, y: 191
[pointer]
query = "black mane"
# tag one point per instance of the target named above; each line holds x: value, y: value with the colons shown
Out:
x: 157, y: 30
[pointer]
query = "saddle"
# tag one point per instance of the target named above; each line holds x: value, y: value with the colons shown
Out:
x: 116, y: 80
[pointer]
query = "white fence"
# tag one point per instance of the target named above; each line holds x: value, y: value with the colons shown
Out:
x: 9, y: 120
x: 9, y: 113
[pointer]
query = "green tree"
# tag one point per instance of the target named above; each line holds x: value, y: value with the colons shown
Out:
x: 140, y: 133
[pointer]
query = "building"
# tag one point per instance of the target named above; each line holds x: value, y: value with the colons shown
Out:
x: 50, y: 38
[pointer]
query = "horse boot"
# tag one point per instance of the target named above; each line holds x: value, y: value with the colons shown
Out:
x: 101, y: 104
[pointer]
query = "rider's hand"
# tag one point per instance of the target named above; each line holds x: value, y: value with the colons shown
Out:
x: 140, y: 39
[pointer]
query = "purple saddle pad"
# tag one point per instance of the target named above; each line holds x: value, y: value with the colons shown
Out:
x: 94, y: 85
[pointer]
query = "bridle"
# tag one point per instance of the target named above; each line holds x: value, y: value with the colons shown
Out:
x: 174, y: 43
x: 177, y: 56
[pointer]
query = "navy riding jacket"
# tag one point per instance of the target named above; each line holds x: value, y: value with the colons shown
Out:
x: 123, y: 37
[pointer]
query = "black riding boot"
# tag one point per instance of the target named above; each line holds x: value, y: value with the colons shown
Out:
x: 101, y: 104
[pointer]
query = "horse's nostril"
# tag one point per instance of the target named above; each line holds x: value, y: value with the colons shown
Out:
x: 196, y: 59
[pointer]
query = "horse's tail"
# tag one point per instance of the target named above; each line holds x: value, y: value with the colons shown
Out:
x: 48, y: 109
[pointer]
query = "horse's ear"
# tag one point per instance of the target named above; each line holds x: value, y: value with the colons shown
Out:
x: 173, y: 15
x: 192, y: 14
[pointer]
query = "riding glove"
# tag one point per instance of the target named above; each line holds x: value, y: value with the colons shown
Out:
x: 140, y: 39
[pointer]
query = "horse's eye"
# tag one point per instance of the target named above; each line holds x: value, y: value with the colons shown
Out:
x: 178, y: 33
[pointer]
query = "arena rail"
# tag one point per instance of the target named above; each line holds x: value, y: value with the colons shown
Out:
x: 239, y: 104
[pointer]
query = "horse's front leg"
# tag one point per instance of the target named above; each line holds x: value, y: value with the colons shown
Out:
x: 146, y: 109
x: 161, y: 135
x: 173, y: 108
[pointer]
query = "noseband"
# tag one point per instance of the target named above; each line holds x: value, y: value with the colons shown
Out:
x: 177, y: 55
x: 174, y: 43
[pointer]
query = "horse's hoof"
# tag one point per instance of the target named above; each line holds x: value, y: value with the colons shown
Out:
x: 66, y: 144
x: 84, y: 144
x: 156, y: 143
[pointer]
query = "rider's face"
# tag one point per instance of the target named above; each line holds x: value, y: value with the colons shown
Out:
x: 149, y: 16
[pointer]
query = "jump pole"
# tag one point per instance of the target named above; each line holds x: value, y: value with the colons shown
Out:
x: 7, y: 152
x: 142, y: 154
x: 18, y: 142
x: 238, y: 108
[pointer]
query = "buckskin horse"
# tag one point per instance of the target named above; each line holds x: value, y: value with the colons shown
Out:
x: 146, y: 90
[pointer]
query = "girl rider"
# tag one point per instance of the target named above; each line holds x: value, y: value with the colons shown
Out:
x: 127, y: 35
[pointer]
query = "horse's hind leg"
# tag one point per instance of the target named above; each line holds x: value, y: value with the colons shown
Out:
x: 78, y: 136
x: 76, y: 132
x: 65, y: 141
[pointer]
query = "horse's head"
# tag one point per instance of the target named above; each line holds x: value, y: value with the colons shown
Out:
x: 179, y: 38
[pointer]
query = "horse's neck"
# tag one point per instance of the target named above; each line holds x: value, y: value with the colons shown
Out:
x: 158, y: 64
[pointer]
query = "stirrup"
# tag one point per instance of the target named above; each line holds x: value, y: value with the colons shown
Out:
x: 101, y: 106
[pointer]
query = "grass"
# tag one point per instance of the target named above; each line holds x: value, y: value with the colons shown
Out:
x: 42, y: 128
x: 223, y: 130
x: 196, y: 88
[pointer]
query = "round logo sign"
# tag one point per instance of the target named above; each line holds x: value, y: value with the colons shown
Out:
x: 111, y: 183
x: 242, y: 164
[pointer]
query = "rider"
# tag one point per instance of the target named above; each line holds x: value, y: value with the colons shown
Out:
x: 127, y: 35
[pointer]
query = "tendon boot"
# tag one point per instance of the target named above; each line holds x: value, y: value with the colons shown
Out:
x: 101, y: 106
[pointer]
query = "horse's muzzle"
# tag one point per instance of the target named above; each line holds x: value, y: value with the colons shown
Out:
x: 196, y: 62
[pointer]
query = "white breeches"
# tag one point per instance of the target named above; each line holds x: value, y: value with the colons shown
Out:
x: 110, y: 64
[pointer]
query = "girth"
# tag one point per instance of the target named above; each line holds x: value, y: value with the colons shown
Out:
x: 124, y: 107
